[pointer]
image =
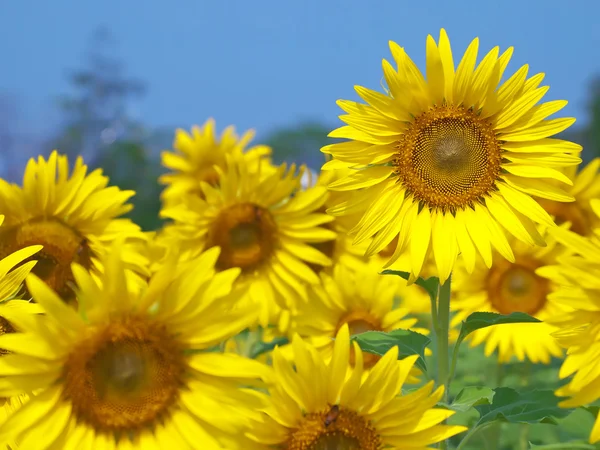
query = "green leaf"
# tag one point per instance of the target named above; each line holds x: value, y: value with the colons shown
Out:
x: 479, y: 320
x: 430, y: 284
x: 508, y: 405
x: 472, y: 396
x: 408, y: 343
x: 263, y: 347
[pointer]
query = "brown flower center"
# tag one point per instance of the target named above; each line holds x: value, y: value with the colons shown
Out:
x: 335, y: 428
x: 516, y: 287
x: 125, y: 377
x: 62, y: 246
x: 581, y: 221
x: 247, y: 236
x: 448, y: 158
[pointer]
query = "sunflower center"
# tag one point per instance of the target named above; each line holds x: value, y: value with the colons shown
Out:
x: 125, y: 377
x: 571, y: 212
x: 335, y: 428
x: 361, y: 322
x: 517, y: 288
x: 246, y: 234
x: 62, y: 246
x: 448, y: 158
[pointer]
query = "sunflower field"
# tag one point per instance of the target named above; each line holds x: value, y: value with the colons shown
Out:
x: 435, y: 285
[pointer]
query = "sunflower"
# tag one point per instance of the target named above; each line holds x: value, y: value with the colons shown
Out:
x: 264, y: 226
x: 329, y: 404
x: 197, y: 155
x: 13, y: 271
x: 73, y: 216
x: 445, y: 164
x: 511, y: 287
x: 579, y: 294
x: 339, y: 250
x: 578, y: 214
x: 361, y: 299
x: 127, y: 369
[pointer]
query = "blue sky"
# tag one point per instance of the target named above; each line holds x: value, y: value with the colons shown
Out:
x: 265, y: 64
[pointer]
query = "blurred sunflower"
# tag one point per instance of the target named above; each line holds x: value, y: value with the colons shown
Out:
x: 579, y: 334
x: 339, y: 250
x: 361, y: 299
x: 579, y: 214
x: 506, y: 288
x: 73, y: 216
x: 445, y: 163
x: 343, y: 409
x: 197, y: 155
x: 126, y: 369
x: 264, y: 226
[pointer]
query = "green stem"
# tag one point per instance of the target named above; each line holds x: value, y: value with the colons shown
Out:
x: 524, y: 436
x: 470, y: 434
x: 442, y: 325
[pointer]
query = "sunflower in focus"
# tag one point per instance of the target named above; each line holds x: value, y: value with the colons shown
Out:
x: 127, y: 369
x: 360, y: 299
x: 343, y: 409
x: 511, y: 287
x: 196, y: 156
x: 13, y: 271
x: 73, y: 216
x: 265, y: 226
x: 445, y: 164
x: 579, y: 327
x: 579, y: 214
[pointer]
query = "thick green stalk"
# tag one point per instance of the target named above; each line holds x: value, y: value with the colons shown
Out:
x: 442, y: 323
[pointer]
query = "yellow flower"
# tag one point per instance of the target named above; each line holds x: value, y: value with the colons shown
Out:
x: 13, y: 271
x: 73, y: 216
x: 127, y: 370
x: 506, y: 288
x: 579, y: 214
x: 361, y: 299
x: 264, y: 226
x: 446, y: 163
x: 579, y: 294
x: 329, y: 404
x: 197, y: 155
x: 339, y: 250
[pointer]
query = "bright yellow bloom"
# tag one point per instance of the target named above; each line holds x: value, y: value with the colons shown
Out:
x: 13, y: 271
x: 197, y: 155
x: 74, y: 216
x: 447, y: 163
x: 506, y: 288
x: 361, y: 299
x: 265, y: 226
x: 339, y: 250
x: 579, y: 214
x: 323, y: 404
x: 127, y: 369
x: 579, y: 294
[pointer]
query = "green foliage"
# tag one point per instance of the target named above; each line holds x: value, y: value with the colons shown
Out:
x: 408, y: 343
x: 258, y: 348
x: 479, y: 320
x: 430, y: 284
x: 508, y: 405
x: 472, y: 396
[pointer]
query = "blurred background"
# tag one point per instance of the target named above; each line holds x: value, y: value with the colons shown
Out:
x: 112, y: 80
